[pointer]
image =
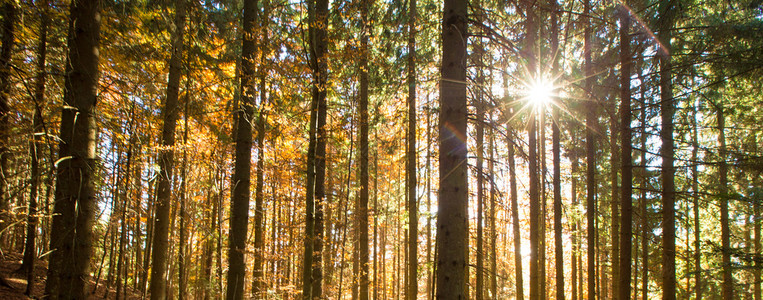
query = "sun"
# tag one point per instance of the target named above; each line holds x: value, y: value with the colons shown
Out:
x: 540, y: 91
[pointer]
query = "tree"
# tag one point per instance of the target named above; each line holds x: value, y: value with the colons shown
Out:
x: 170, y: 111
x: 75, y: 206
x: 590, y: 123
x: 362, y: 209
x: 8, y: 31
x: 411, y: 153
x: 241, y: 180
x: 258, y: 282
x: 316, y: 165
x: 452, y: 219
x: 626, y: 164
x: 35, y: 151
x: 667, y: 152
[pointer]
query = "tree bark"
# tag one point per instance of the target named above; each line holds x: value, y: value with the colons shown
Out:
x: 258, y: 280
x: 161, y: 220
x: 411, y: 167
x: 667, y: 110
x: 728, y: 280
x: 555, y: 137
x: 319, y: 64
x: 695, y: 198
x: 590, y: 154
x: 35, y: 150
x: 626, y: 162
x: 69, y: 271
x: 518, y: 274
x: 10, y: 14
x: 452, y: 219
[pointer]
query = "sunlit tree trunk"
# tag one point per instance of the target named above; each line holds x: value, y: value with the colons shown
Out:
x: 493, y: 231
x: 258, y: 280
x: 479, y: 289
x: 516, y: 237
x: 318, y: 14
x: 363, y: 199
x: 698, y: 285
x: 626, y: 162
x: 170, y: 108
x: 411, y: 167
x: 75, y: 205
x: 452, y: 218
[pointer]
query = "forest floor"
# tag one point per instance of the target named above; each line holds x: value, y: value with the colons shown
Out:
x: 16, y: 280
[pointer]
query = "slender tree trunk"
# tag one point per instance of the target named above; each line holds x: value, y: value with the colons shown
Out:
x: 626, y: 163
x: 430, y: 273
x: 35, y: 151
x: 479, y: 288
x: 667, y: 110
x: 728, y: 280
x: 123, y: 212
x: 695, y: 198
x: 160, y: 243
x: 576, y: 289
x: 493, y: 232
x: 363, y: 199
x: 756, y: 271
x: 518, y: 274
x: 590, y: 155
x: 453, y: 216
x: 8, y: 28
x: 411, y: 167
x: 645, y: 228
x: 182, y: 252
x: 536, y: 223
x: 258, y: 280
x: 319, y: 63
x: 555, y: 137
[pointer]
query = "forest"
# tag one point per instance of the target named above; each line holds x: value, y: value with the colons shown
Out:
x: 381, y: 149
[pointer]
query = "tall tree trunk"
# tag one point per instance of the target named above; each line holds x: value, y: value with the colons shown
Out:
x: 9, y: 24
x: 695, y: 198
x: 517, y: 239
x: 241, y: 181
x: 645, y: 228
x: 756, y: 271
x: 667, y: 110
x: 493, y: 232
x: 182, y: 252
x: 411, y: 167
x: 626, y: 162
x: 319, y: 65
x: 69, y: 271
x: 728, y: 280
x: 479, y: 289
x: 453, y: 216
x: 536, y: 223
x: 590, y: 124
x: 363, y: 199
x: 575, y: 224
x: 35, y: 150
x: 161, y: 220
x: 555, y: 137
x: 258, y: 280
x: 430, y: 268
